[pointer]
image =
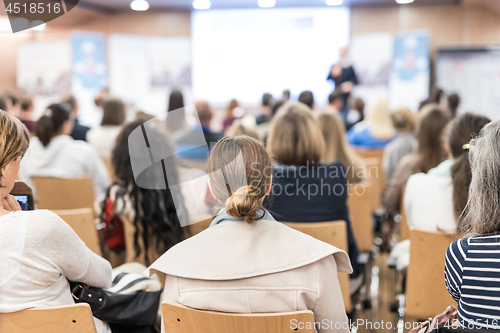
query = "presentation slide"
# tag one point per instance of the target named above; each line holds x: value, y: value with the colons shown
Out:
x: 244, y: 53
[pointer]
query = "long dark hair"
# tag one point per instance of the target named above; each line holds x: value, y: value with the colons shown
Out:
x: 51, y: 122
x: 176, y: 120
x: 463, y: 129
x: 429, y: 135
x: 154, y: 209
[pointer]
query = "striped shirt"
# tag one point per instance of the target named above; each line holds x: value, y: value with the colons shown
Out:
x: 472, y: 274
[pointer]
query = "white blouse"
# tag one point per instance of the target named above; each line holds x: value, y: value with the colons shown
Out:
x: 39, y: 252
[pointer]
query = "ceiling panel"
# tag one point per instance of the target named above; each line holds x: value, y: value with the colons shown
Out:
x: 123, y: 5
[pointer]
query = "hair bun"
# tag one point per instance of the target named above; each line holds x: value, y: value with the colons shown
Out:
x: 244, y: 203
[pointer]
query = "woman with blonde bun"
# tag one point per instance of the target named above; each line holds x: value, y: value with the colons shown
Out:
x: 247, y: 262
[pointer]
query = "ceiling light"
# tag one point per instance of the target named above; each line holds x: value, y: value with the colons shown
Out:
x: 139, y: 5
x: 404, y: 2
x: 266, y: 3
x: 38, y: 25
x: 202, y: 4
x: 334, y: 2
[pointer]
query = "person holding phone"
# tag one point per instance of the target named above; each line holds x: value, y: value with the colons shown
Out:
x: 40, y: 252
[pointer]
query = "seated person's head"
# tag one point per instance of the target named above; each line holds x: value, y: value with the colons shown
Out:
x: 73, y: 104
x: 307, y: 98
x: 27, y: 106
x: 240, y: 176
x: 56, y: 120
x: 237, y: 128
x: 14, y: 141
x: 204, y: 112
x: 295, y: 137
x: 113, y: 112
x: 403, y: 120
x: 453, y: 101
x: 462, y: 130
x: 482, y: 215
x: 336, y: 100
x: 333, y: 132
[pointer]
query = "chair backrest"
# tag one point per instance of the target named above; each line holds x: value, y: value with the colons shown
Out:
x: 75, y: 318
x: 376, y: 176
x: 196, y: 228
x: 61, y: 193
x: 404, y: 229
x: 181, y: 319
x: 333, y: 233
x: 109, y: 166
x: 359, y: 202
x: 426, y: 292
x: 369, y: 153
x: 82, y: 222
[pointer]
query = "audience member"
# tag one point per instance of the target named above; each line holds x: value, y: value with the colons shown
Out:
x: 356, y: 112
x: 307, y: 98
x: 188, y: 141
x: 177, y: 120
x: 26, y: 114
x: 267, y: 103
x: 472, y: 265
x: 305, y: 190
x: 12, y: 103
x: 155, y: 213
x: 53, y: 153
x: 230, y: 116
x: 336, y: 148
x: 429, y: 153
x: 3, y: 103
x: 79, y: 132
x: 435, y: 201
x: 405, y: 143
x: 272, y: 267
x: 40, y: 252
x: 335, y: 102
x: 239, y: 129
x: 376, y: 131
x: 453, y: 101
x: 434, y: 98
x: 103, y: 138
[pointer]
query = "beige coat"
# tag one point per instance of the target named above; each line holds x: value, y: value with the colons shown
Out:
x: 257, y: 268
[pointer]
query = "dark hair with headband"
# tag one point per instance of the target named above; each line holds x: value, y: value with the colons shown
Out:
x: 463, y: 129
x: 51, y: 122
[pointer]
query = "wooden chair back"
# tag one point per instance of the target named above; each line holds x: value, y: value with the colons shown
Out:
x: 426, y: 292
x: 359, y: 202
x: 404, y: 228
x: 75, y: 318
x: 60, y: 193
x: 181, y: 319
x: 196, y: 228
x: 333, y: 233
x: 109, y: 166
x: 370, y: 153
x: 82, y: 222
x: 376, y: 176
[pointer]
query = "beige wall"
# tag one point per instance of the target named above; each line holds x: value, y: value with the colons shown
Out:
x: 449, y: 26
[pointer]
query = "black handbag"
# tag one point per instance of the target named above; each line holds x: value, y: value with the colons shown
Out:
x: 138, y: 308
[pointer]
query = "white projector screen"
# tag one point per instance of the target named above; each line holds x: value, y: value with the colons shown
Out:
x: 246, y: 52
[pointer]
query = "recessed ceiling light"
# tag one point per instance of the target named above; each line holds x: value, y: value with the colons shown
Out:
x: 38, y: 25
x: 202, y: 4
x: 266, y: 3
x: 139, y: 5
x: 334, y: 2
x: 404, y: 2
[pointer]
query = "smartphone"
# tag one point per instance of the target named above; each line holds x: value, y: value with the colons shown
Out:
x: 24, y: 195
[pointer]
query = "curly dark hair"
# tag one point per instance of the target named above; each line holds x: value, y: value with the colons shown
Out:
x: 154, y: 209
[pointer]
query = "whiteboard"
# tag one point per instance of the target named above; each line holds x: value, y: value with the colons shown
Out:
x: 474, y: 74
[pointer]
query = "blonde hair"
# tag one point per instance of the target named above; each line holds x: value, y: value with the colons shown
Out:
x: 295, y: 137
x: 240, y: 175
x: 403, y: 120
x: 237, y: 128
x: 379, y: 119
x: 14, y: 140
x: 336, y: 148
